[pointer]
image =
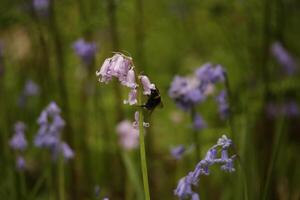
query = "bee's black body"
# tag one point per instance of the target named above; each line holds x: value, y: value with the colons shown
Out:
x: 153, y: 101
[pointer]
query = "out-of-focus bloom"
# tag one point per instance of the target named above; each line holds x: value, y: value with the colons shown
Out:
x: 20, y: 163
x: 31, y: 88
x: 185, y: 184
x: 289, y: 109
x: 18, y: 141
x: 67, y: 152
x: 97, y: 191
x: 221, y: 99
x: 207, y: 73
x: 85, y: 50
x: 51, y: 125
x: 129, y: 135
x: 186, y: 92
x: 282, y: 56
x: 198, y: 122
x: 49, y: 133
x: 191, y: 90
x: 41, y: 6
x: 178, y: 152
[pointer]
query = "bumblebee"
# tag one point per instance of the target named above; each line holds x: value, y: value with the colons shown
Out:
x: 154, y: 100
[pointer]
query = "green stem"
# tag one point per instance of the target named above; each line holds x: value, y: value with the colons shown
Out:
x: 61, y: 178
x: 143, y: 151
x: 276, y: 148
x: 195, y: 135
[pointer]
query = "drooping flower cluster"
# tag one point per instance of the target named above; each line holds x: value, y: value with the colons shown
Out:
x: 129, y: 135
x: 189, y: 91
x: 289, y: 109
x: 122, y: 68
x: 49, y: 133
x: 85, y: 50
x: 19, y: 143
x: 282, y: 56
x: 185, y: 184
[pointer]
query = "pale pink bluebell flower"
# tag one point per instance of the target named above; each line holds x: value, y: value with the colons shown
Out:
x: 147, y: 85
x: 128, y: 134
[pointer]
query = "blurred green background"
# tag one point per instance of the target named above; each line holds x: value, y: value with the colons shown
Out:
x: 165, y: 38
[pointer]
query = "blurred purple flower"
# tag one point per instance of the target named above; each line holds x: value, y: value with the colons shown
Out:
x: 207, y: 73
x: 185, y: 184
x: 185, y: 91
x: 85, y: 50
x: 178, y: 152
x: 66, y: 151
x: 20, y: 163
x: 198, y: 122
x: 31, y: 88
x: 191, y: 90
x: 286, y: 61
x: 129, y: 135
x: 289, y: 109
x: 221, y: 99
x: 18, y: 141
x: 49, y: 133
x: 41, y: 7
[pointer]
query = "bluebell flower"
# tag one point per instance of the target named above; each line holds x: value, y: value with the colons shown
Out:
x: 208, y: 73
x: 178, y: 152
x: 85, y: 50
x: 41, y: 7
x: 286, y: 61
x: 198, y: 122
x: 49, y: 133
x: 20, y: 163
x: 185, y: 184
x: 31, y: 88
x: 221, y: 99
x: 289, y: 109
x: 18, y: 141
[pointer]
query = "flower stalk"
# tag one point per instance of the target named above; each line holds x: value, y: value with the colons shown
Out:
x: 143, y: 150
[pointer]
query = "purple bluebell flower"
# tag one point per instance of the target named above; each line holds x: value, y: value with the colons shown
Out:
x: 31, y: 88
x: 186, y: 92
x: 49, y: 133
x: 20, y: 163
x: 185, y: 184
x: 289, y: 109
x: 41, y: 7
x: 128, y: 134
x: 18, y: 141
x: 178, y: 152
x: 221, y: 99
x: 208, y: 73
x: 132, y: 97
x: 198, y: 122
x: 282, y: 56
x: 85, y: 50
